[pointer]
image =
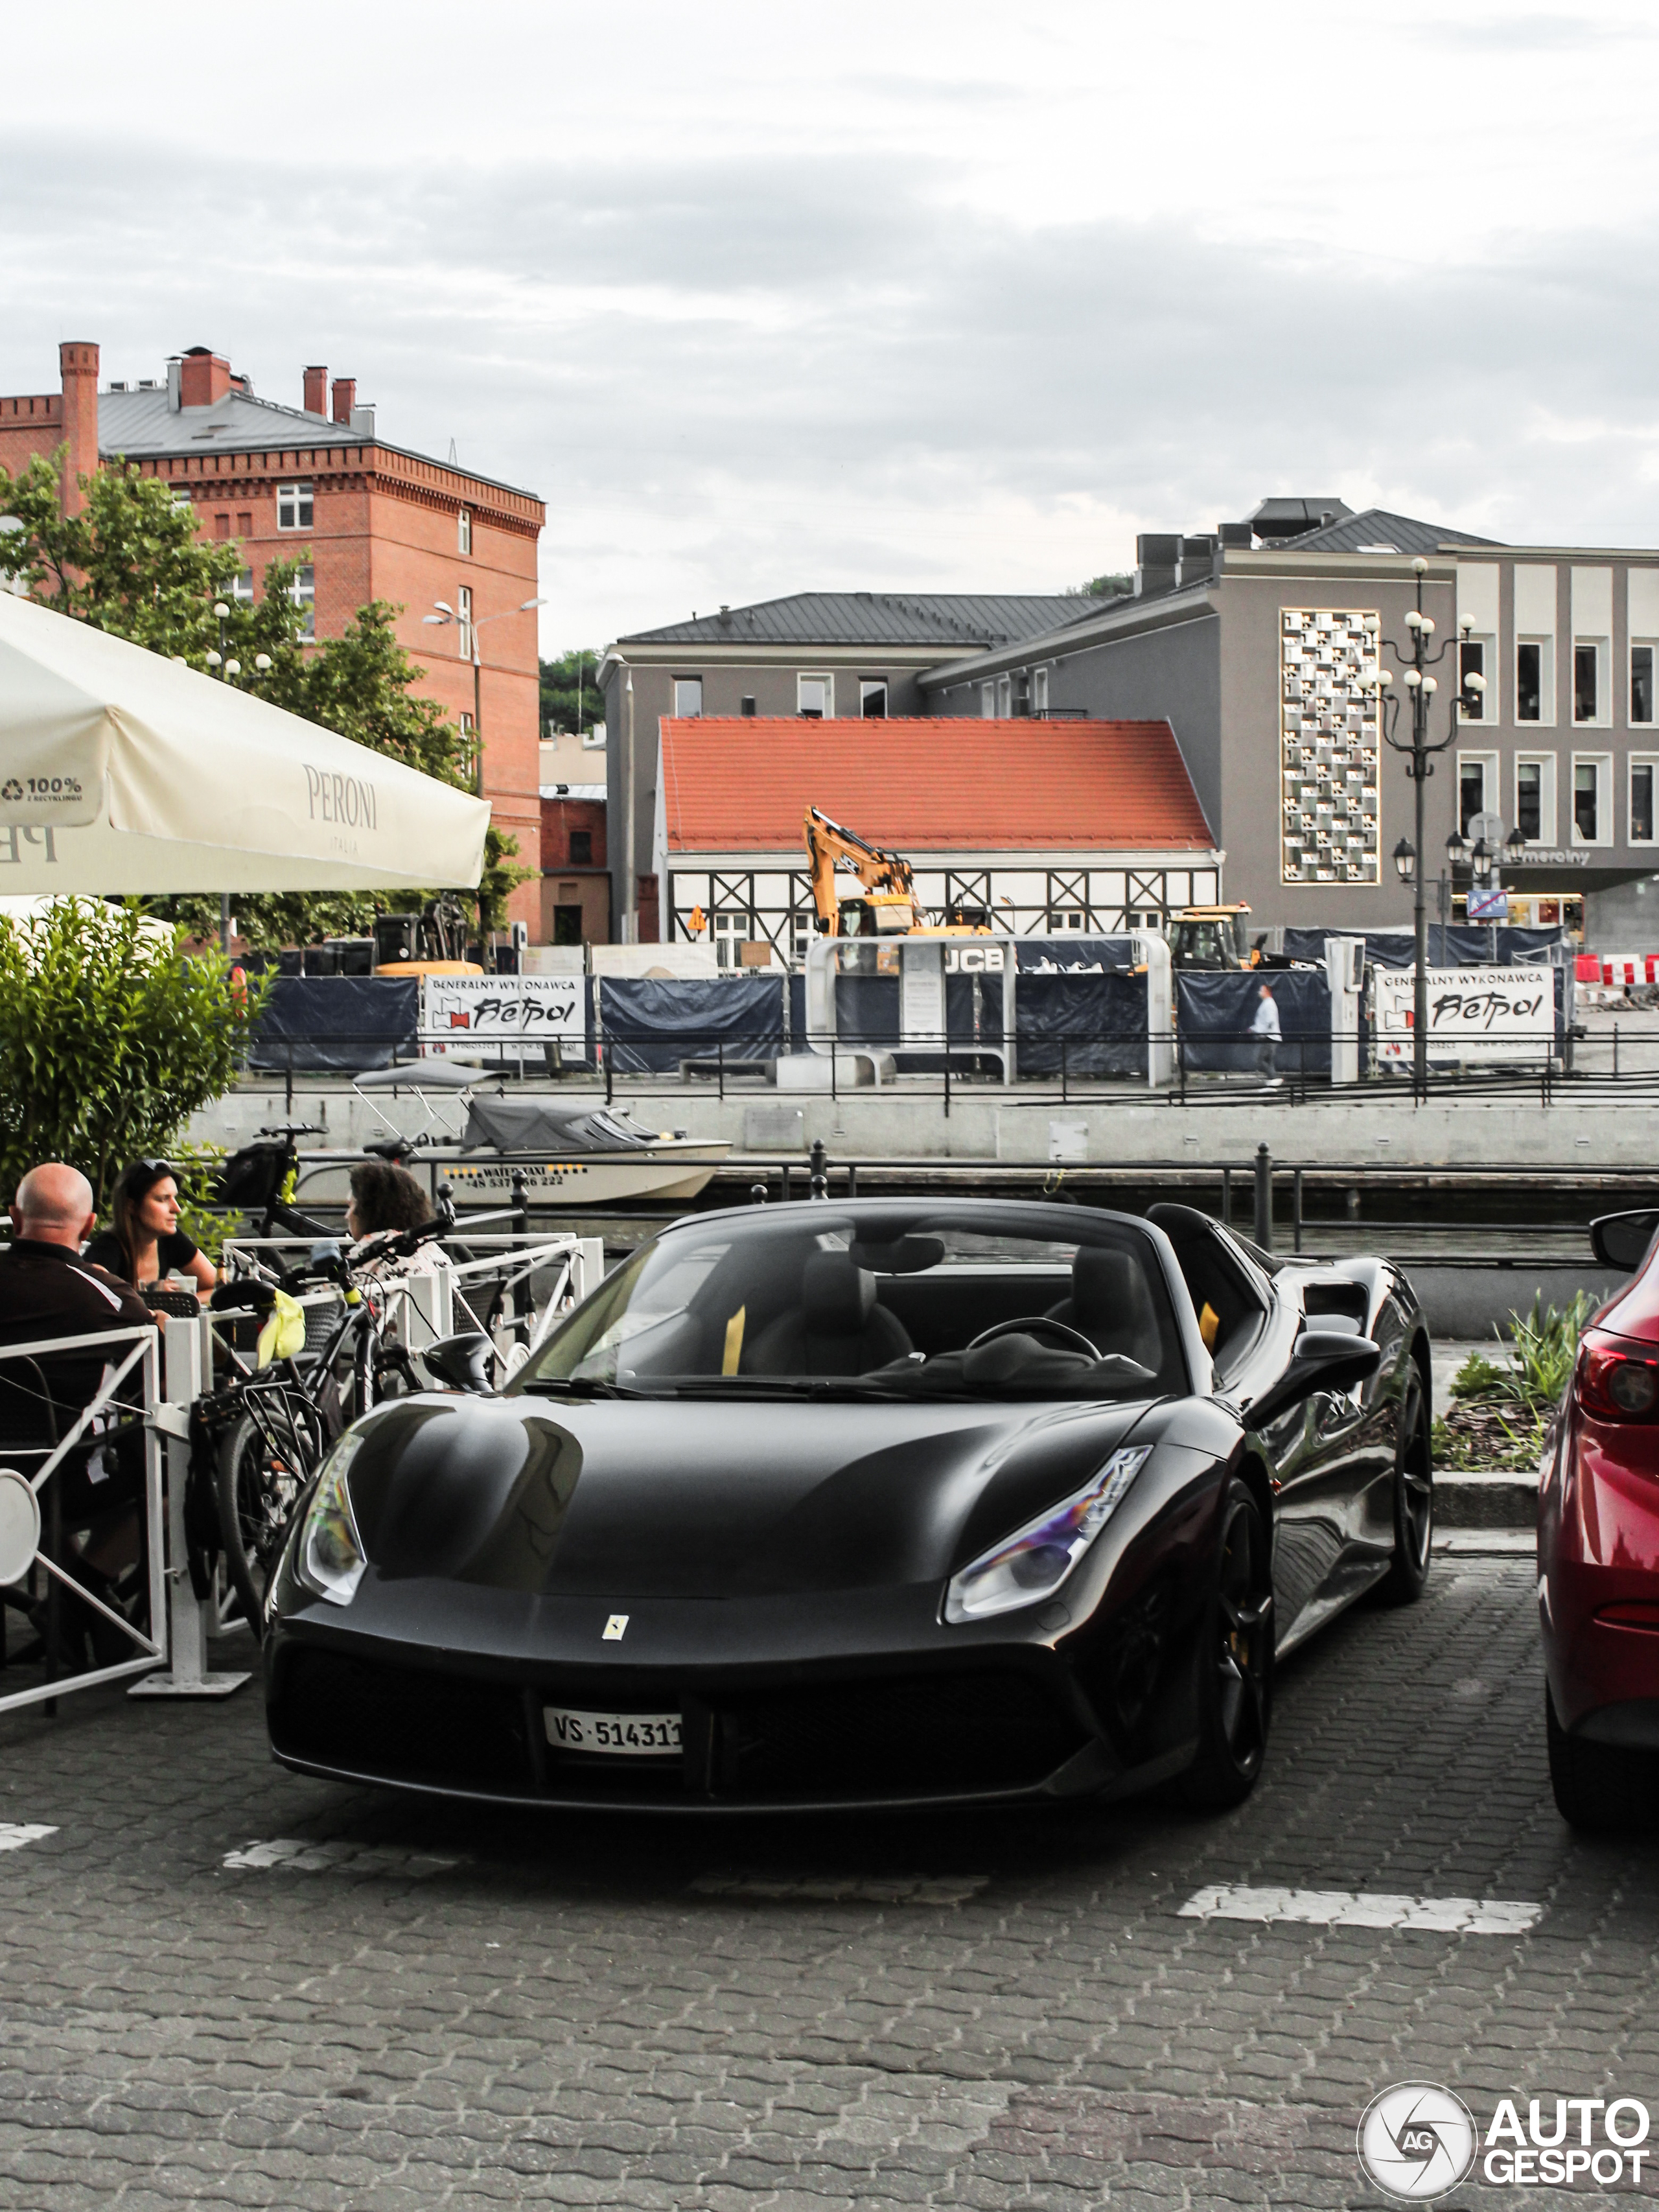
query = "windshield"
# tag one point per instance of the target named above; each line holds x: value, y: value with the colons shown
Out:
x: 823, y: 1300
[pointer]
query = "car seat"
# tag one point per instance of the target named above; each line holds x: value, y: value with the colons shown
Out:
x: 837, y: 1328
x: 1111, y: 1304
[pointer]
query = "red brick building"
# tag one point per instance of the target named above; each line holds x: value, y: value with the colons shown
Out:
x: 367, y: 518
x: 575, y: 870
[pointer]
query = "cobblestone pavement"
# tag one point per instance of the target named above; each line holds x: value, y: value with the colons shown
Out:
x: 395, y: 2005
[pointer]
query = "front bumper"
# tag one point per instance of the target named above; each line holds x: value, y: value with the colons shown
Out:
x: 1598, y: 1585
x: 891, y: 1734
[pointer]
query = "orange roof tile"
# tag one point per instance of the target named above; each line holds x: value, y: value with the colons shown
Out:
x: 922, y: 782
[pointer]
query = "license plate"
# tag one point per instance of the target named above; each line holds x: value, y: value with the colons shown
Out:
x: 623, y: 1735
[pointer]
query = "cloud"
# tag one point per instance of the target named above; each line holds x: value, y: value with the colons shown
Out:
x: 731, y: 376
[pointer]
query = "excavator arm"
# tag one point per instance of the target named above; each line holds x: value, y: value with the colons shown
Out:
x: 886, y: 876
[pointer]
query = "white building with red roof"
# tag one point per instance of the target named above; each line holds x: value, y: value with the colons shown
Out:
x: 1060, y: 825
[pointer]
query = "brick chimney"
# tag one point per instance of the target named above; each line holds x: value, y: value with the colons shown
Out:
x: 77, y: 362
x: 203, y: 378
x: 345, y: 397
x: 317, y: 391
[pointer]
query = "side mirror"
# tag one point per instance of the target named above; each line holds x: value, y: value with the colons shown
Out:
x: 461, y: 1363
x: 1323, y: 1360
x: 1621, y: 1240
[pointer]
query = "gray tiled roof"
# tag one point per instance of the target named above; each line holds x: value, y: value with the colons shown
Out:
x: 141, y: 422
x: 1376, y: 527
x: 961, y: 620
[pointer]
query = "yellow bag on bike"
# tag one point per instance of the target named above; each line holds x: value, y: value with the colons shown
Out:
x: 283, y: 1336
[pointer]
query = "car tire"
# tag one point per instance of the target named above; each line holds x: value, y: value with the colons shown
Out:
x: 1235, y: 1661
x: 1600, y: 1787
x: 1414, y: 1499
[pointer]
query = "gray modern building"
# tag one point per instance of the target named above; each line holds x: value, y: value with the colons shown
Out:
x: 1255, y: 641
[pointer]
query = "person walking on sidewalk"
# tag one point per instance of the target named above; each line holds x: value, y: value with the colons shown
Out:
x: 1265, y: 1030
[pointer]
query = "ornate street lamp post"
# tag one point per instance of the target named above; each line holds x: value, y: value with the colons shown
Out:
x: 1421, y: 687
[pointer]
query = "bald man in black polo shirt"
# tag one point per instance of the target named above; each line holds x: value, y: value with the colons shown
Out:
x: 47, y: 1290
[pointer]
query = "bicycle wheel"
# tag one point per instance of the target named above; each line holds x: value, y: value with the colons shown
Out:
x: 264, y: 1464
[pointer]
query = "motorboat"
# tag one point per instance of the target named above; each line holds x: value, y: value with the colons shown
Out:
x: 568, y: 1152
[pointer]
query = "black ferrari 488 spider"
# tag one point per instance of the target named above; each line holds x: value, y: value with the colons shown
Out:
x: 892, y: 1503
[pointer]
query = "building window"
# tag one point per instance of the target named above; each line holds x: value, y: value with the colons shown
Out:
x: 1040, y: 691
x: 1592, y: 775
x: 1473, y: 659
x: 815, y: 696
x: 1534, y: 798
x: 464, y: 532
x: 469, y: 762
x: 1586, y: 681
x: 242, y: 590
x: 1641, y: 799
x: 1534, y: 680
x: 872, y: 698
x: 1477, y: 787
x: 303, y: 592
x: 1063, y: 918
x: 1004, y: 696
x: 464, y: 620
x: 294, y: 507
x: 688, y: 695
x: 732, y: 927
x: 987, y: 702
x: 748, y: 705
x: 582, y: 848
x: 1641, y: 682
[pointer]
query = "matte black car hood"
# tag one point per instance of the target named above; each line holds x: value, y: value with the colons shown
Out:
x: 698, y: 1498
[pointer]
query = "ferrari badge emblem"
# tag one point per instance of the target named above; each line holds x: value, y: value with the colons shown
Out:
x: 614, y: 1628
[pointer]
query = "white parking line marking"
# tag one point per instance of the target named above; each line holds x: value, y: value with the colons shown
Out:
x: 293, y: 1855
x: 14, y: 1834
x: 837, y: 1889
x: 1348, y: 1908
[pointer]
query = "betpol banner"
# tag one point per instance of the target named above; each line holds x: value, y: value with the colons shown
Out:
x: 463, y: 1011
x: 1474, y: 1013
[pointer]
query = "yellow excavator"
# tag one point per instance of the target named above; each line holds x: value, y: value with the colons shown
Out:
x: 888, y: 906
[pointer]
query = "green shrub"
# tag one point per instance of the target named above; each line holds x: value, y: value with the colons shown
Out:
x: 109, y: 1039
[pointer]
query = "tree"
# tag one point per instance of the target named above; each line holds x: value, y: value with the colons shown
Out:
x: 1113, y: 586
x: 110, y: 1038
x: 131, y: 563
x: 570, y: 698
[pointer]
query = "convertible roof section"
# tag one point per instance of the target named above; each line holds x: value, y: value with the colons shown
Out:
x: 922, y: 783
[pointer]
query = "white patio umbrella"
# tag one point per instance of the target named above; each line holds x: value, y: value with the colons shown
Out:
x: 121, y: 771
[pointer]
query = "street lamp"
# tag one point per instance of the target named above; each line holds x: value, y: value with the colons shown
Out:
x: 446, y: 617
x: 1420, y: 687
x: 1405, y: 859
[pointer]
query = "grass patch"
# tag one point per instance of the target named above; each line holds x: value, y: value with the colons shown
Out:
x: 1499, y: 1413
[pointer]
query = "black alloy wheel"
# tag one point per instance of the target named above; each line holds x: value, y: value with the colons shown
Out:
x: 1413, y: 1498
x: 1234, y: 1662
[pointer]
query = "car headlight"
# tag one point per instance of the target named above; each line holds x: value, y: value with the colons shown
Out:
x: 1035, y: 1559
x: 330, y: 1559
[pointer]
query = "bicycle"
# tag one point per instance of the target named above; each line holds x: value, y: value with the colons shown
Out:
x: 268, y: 1429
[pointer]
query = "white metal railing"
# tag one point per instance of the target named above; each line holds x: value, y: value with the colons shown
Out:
x: 142, y: 1356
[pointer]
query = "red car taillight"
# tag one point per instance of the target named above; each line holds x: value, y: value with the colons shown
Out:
x: 1612, y: 1386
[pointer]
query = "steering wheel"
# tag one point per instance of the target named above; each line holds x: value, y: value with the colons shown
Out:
x: 1075, y: 1340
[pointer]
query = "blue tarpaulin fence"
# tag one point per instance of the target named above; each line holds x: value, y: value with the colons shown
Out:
x: 1215, y: 1014
x: 1467, y: 945
x: 1084, y: 1024
x: 346, y: 1023
x: 649, y: 1026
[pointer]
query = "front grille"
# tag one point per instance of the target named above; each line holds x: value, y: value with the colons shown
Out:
x: 334, y: 1710
x: 907, y: 1736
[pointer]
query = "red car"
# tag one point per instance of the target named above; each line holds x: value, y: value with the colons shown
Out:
x: 1598, y: 1551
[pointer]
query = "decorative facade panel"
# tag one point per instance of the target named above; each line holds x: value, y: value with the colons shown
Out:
x: 1329, y: 745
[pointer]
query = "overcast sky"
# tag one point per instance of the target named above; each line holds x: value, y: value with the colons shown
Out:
x: 771, y: 298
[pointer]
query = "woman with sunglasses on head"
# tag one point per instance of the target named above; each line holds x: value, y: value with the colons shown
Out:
x: 145, y: 1245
